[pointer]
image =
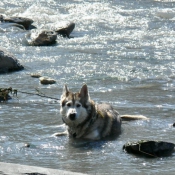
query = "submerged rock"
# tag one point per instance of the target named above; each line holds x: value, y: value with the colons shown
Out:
x: 41, y: 38
x: 65, y: 32
x: 21, y: 21
x: 8, y: 62
x: 149, y: 148
x: 47, y: 80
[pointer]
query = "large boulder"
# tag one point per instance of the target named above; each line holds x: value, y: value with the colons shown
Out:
x: 41, y: 38
x: 65, y: 31
x: 8, y: 62
x: 18, y: 22
x: 150, y: 148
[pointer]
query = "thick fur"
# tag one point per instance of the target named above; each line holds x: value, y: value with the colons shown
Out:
x: 88, y: 120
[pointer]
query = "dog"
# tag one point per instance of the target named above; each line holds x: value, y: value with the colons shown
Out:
x: 85, y: 119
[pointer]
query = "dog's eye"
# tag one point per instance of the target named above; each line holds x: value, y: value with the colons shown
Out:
x: 78, y: 105
x: 69, y: 104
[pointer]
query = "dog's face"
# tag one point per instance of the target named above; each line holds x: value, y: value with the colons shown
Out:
x: 74, y: 106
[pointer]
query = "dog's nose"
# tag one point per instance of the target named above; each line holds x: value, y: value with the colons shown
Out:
x: 72, y: 116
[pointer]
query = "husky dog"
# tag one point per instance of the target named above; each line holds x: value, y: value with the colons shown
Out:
x: 88, y: 120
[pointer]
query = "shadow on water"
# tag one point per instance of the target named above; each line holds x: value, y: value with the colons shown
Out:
x: 86, y: 144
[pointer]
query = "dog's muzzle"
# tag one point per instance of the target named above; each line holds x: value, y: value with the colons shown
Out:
x: 72, y: 116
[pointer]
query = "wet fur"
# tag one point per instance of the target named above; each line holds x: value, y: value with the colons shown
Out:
x: 85, y: 119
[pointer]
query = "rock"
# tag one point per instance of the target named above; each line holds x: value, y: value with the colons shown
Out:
x: 47, y: 80
x: 41, y: 38
x: 149, y: 148
x: 8, y: 62
x: 173, y: 124
x: 35, y: 75
x: 7, y: 25
x: 26, y: 22
x: 65, y: 32
x: 27, y: 145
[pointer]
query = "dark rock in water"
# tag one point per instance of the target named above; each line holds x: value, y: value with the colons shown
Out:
x: 41, y: 38
x: 174, y: 124
x: 1, y: 18
x: 26, y: 22
x: 149, y: 148
x: 8, y: 62
x: 27, y: 145
x: 6, y: 25
x: 65, y: 32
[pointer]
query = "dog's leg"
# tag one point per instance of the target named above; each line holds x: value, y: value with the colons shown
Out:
x: 133, y: 117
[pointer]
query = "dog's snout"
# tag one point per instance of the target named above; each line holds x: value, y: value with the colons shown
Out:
x: 72, y: 116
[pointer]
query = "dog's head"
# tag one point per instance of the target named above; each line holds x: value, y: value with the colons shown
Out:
x: 74, y: 106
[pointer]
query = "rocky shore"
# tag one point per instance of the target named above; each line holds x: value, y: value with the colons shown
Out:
x: 16, y: 169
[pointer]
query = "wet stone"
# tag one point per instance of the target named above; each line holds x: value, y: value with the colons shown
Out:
x: 25, y: 22
x: 66, y: 31
x: 8, y: 62
x: 149, y: 148
x: 47, y: 80
x: 27, y: 145
x: 41, y: 38
x: 35, y: 75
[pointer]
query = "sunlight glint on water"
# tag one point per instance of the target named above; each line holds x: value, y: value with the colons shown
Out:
x: 123, y: 50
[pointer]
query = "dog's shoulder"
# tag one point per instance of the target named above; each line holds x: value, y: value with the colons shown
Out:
x: 110, y: 124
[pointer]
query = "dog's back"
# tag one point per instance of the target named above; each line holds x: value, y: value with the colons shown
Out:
x: 107, y: 123
x: 111, y: 120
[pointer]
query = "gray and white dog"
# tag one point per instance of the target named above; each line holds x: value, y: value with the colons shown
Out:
x: 88, y: 120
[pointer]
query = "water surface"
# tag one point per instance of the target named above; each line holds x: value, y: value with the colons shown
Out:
x: 123, y: 50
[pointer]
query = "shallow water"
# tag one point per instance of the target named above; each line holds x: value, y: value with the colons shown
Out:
x: 123, y: 50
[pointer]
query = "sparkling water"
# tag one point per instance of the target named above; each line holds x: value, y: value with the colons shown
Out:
x: 123, y: 50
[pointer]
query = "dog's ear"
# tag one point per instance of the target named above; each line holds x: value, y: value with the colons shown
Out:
x: 84, y: 91
x: 65, y: 89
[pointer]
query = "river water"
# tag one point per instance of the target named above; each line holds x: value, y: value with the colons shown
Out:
x: 123, y: 50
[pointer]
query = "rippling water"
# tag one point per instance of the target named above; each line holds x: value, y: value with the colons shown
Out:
x: 123, y: 50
